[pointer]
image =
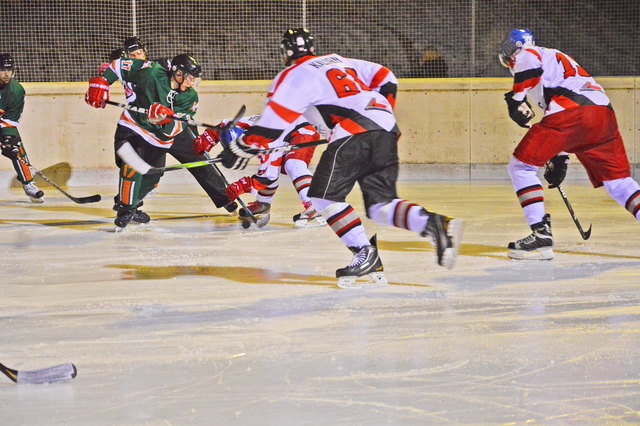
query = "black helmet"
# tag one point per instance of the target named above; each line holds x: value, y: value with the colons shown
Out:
x: 116, y: 54
x: 186, y: 63
x: 297, y: 42
x: 132, y: 44
x: 6, y: 62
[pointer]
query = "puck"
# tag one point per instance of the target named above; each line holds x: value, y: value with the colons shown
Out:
x: 246, y: 224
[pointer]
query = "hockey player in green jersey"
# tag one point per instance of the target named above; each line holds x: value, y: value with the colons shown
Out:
x: 209, y: 178
x: 148, y: 136
x: 11, y: 105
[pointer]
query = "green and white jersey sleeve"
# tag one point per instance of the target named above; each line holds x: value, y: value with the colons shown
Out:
x: 11, y: 107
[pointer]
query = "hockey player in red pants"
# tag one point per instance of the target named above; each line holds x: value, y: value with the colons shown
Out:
x: 578, y: 118
x: 355, y: 100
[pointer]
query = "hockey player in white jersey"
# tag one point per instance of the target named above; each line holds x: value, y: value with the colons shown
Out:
x: 578, y: 118
x: 265, y: 182
x: 354, y: 99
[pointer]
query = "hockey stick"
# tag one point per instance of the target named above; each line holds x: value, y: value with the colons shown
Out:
x: 219, y: 127
x: 80, y: 200
x: 585, y: 235
x: 212, y: 161
x: 159, y: 170
x: 55, y: 374
x: 286, y: 148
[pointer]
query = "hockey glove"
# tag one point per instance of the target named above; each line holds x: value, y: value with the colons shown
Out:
x: 519, y: 111
x: 205, y: 141
x: 238, y: 188
x: 556, y: 170
x: 9, y: 148
x: 159, y: 114
x: 98, y: 93
x: 232, y: 161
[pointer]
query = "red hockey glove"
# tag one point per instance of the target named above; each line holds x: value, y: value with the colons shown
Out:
x: 159, y: 114
x: 98, y: 93
x: 238, y: 188
x: 207, y: 140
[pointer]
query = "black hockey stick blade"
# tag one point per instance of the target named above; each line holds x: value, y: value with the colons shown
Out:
x: 585, y: 234
x: 55, y: 374
x: 80, y: 200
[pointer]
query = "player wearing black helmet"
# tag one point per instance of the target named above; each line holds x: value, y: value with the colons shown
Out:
x: 11, y: 106
x: 295, y: 44
x: 151, y: 136
x: 134, y: 48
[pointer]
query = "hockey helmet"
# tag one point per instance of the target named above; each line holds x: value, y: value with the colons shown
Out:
x: 116, y: 54
x: 187, y: 64
x: 296, y: 42
x: 6, y: 62
x: 132, y: 44
x: 515, y: 40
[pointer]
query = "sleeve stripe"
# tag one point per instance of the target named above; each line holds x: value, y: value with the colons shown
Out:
x: 379, y: 77
x: 285, y: 113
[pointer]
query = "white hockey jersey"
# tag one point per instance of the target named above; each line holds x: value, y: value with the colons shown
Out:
x: 553, y: 80
x: 333, y: 93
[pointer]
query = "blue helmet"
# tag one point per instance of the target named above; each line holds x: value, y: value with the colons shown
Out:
x: 515, y: 40
x: 227, y: 136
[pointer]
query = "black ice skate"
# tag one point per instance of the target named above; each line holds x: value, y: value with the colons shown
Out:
x: 126, y: 214
x: 261, y: 212
x: 537, y: 245
x: 34, y: 193
x: 309, y: 217
x: 446, y: 237
x: 366, y: 261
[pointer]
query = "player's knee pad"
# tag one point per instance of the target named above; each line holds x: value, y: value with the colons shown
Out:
x: 340, y: 216
x: 626, y: 192
x: 517, y: 167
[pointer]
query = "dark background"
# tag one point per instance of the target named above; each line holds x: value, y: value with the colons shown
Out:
x: 67, y: 40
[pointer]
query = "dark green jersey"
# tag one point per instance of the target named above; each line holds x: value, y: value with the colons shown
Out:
x: 150, y: 83
x: 11, y: 106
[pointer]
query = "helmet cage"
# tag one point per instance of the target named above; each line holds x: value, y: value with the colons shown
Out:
x: 512, y: 43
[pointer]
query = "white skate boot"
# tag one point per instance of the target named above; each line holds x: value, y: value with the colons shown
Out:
x: 309, y: 217
x: 34, y: 193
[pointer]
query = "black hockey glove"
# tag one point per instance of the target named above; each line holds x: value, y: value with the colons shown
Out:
x: 232, y: 161
x: 556, y: 169
x: 9, y: 147
x: 519, y: 111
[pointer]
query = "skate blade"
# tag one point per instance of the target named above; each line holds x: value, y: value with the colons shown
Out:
x: 37, y: 200
x: 373, y: 280
x: 313, y: 223
x: 455, y: 231
x: 539, y: 254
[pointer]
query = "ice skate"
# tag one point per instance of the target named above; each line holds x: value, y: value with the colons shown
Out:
x: 446, y: 237
x: 309, y: 217
x: 34, y: 193
x: 535, y: 246
x: 259, y: 210
x: 138, y: 215
x: 366, y: 263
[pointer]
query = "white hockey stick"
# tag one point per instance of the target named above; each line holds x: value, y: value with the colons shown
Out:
x: 55, y: 374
